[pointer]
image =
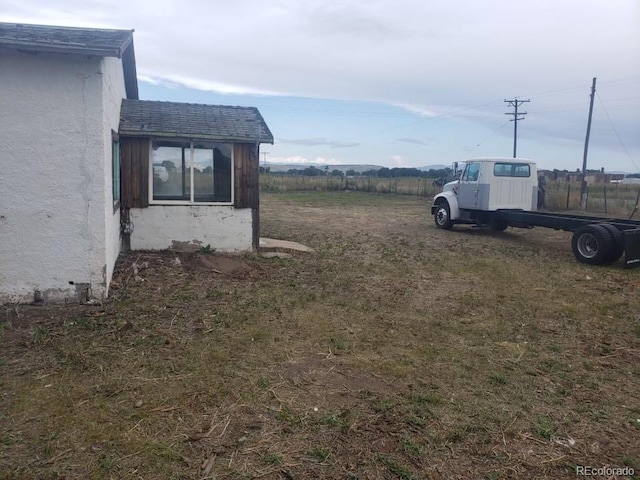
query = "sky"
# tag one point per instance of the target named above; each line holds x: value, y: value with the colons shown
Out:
x: 398, y: 83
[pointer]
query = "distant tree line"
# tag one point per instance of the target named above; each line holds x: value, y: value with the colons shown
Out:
x: 383, y: 172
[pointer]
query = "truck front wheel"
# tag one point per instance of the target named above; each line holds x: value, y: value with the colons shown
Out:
x: 442, y: 217
x: 593, y: 244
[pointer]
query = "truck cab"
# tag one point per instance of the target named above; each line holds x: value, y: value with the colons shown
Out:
x: 485, y: 186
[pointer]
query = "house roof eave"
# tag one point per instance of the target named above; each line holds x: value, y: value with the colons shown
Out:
x: 183, y: 136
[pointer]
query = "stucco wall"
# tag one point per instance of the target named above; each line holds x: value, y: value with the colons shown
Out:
x: 159, y: 227
x: 52, y: 185
x: 112, y: 93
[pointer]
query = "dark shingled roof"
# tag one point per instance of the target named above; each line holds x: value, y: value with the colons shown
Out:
x: 196, y: 121
x: 84, y: 41
x: 77, y: 41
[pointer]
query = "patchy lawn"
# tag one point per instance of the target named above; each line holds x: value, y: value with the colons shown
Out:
x: 396, y: 351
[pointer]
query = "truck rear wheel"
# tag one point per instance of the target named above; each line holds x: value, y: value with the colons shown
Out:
x: 593, y: 244
x: 618, y: 239
x: 442, y: 217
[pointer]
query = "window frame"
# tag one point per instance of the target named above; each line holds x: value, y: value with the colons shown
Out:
x: 116, y: 171
x: 465, y: 174
x: 189, y: 161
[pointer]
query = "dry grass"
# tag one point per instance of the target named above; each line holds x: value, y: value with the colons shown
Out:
x: 611, y: 199
x: 395, y: 351
x: 279, y: 183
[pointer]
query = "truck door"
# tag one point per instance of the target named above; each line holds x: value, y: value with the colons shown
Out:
x: 468, y: 188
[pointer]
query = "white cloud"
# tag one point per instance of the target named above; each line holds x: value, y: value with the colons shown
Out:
x: 420, y: 110
x: 171, y: 81
x: 397, y: 160
x: 441, y: 59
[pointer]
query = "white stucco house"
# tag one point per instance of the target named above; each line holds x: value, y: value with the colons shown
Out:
x: 83, y: 162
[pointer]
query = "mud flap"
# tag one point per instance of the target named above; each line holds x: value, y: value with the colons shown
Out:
x: 632, y: 248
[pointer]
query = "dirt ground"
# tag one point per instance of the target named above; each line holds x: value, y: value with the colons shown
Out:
x: 395, y: 351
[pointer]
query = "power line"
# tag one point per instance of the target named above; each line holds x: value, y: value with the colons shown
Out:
x: 615, y: 130
x: 493, y: 134
x: 515, y: 103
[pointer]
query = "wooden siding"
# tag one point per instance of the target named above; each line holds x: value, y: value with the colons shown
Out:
x: 246, y: 166
x: 134, y: 163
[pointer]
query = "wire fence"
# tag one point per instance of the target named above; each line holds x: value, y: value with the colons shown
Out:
x: 613, y: 199
x: 422, y: 187
x: 609, y: 199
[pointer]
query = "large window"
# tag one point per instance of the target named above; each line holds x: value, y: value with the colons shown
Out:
x: 192, y: 172
x: 512, y: 170
x: 115, y: 170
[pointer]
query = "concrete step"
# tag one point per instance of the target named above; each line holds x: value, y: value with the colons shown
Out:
x: 273, y: 245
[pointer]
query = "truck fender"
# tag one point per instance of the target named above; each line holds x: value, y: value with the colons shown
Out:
x: 452, y: 200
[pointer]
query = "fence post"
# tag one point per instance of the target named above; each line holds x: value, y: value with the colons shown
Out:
x: 586, y: 198
x: 605, y: 198
x: 635, y: 208
x: 568, y: 193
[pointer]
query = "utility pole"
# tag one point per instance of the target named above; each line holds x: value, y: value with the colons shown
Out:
x: 583, y: 187
x: 265, y: 160
x: 515, y: 103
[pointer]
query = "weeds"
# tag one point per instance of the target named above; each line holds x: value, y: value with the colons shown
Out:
x: 319, y: 453
x: 338, y: 344
x: 545, y: 427
x: 39, y: 335
x: 381, y: 405
x: 206, y: 249
x: 412, y: 448
x: 498, y: 379
x: 263, y: 382
x: 401, y: 471
x: 272, y: 458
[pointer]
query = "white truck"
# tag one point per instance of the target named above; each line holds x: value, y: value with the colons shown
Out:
x: 503, y: 192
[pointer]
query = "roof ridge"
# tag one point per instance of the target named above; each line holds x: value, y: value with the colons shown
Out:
x: 191, y: 103
x: 60, y: 27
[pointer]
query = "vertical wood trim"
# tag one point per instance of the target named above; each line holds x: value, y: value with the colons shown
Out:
x: 246, y: 175
x: 134, y: 159
x: 144, y: 171
x: 254, y: 174
x: 238, y: 175
x: 125, y: 170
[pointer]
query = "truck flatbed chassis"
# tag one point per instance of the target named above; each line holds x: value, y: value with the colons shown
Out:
x: 572, y: 223
x: 589, y: 237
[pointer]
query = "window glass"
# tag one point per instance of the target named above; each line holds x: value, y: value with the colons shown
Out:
x: 471, y: 172
x: 212, y: 172
x: 512, y: 170
x: 171, y: 174
x: 174, y: 164
x: 203, y: 175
